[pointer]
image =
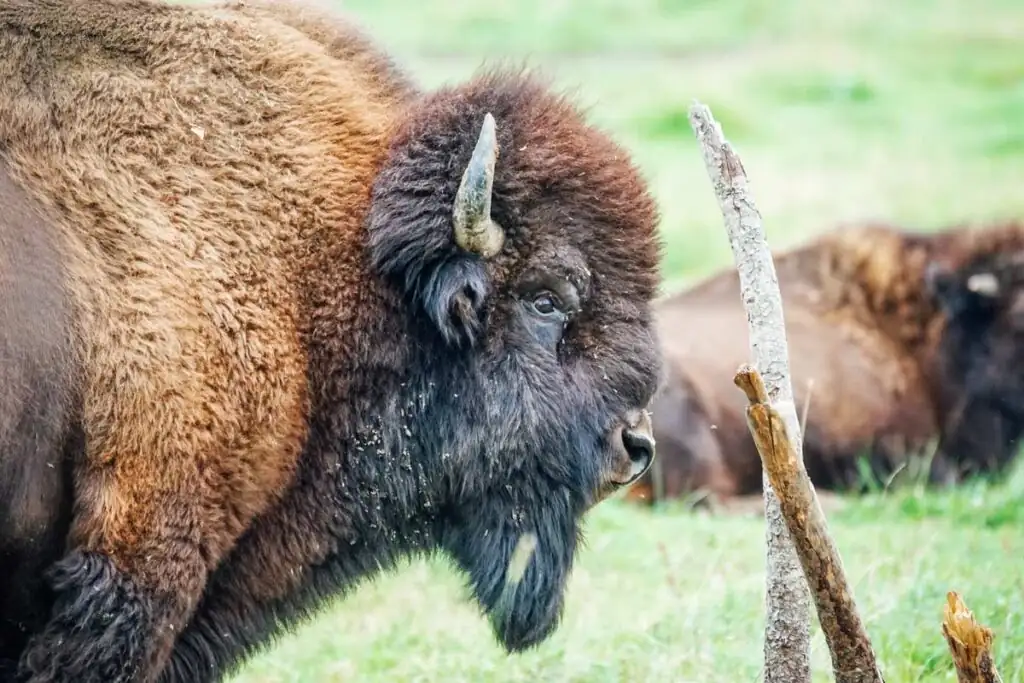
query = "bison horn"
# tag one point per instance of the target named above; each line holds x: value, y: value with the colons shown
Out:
x: 474, y: 229
x: 984, y: 284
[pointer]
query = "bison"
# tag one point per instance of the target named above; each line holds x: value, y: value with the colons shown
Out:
x: 274, y: 318
x: 900, y: 345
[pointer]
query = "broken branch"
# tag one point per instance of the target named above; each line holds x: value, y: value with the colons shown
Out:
x: 969, y: 642
x: 853, y: 660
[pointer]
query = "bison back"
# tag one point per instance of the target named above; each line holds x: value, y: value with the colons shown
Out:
x: 859, y: 394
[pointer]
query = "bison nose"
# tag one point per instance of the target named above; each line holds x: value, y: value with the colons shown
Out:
x: 640, y: 447
x: 637, y: 439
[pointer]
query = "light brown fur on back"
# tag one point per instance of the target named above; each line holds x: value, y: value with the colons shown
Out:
x: 342, y: 40
x: 184, y: 241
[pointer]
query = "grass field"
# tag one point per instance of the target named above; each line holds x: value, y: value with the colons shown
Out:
x: 910, y: 111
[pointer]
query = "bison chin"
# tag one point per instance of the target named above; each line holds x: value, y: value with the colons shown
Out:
x: 518, y: 566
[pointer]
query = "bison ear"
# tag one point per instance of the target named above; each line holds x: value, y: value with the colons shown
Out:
x: 434, y: 240
x: 446, y: 286
x: 452, y: 295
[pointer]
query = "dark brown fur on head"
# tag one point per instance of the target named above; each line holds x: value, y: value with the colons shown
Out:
x: 294, y: 373
x: 981, y: 353
x: 879, y: 367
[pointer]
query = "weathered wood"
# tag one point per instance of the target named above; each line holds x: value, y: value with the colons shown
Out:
x: 969, y: 642
x: 853, y: 660
x: 787, y: 622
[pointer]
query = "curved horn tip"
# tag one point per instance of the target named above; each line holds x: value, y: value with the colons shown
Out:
x: 475, y: 231
x: 985, y: 284
x: 485, y: 153
x: 487, y: 129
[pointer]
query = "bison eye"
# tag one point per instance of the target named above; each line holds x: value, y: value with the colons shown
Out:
x: 546, y: 304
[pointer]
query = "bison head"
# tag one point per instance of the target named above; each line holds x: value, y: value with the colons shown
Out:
x: 522, y: 245
x: 980, y: 356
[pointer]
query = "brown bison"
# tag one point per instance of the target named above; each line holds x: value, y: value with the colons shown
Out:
x: 899, y: 346
x: 274, y: 319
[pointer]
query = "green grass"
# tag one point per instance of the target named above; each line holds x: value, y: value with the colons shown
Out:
x: 844, y: 111
x: 677, y: 596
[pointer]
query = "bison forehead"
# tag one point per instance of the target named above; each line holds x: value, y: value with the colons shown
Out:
x: 558, y: 259
x: 567, y: 185
x: 558, y: 181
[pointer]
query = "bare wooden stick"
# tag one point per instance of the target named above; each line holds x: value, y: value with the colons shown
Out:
x: 969, y: 642
x: 787, y: 624
x: 853, y: 660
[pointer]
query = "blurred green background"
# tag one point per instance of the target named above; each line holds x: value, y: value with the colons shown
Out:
x: 910, y: 112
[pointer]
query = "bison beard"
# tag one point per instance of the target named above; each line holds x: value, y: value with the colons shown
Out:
x: 523, y: 598
x: 319, y: 328
x: 367, y: 518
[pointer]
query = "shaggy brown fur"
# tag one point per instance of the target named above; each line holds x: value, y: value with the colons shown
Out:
x: 340, y: 38
x: 290, y: 373
x: 864, y: 334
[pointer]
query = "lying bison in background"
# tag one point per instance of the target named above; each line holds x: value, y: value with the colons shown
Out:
x: 289, y: 320
x: 897, y: 345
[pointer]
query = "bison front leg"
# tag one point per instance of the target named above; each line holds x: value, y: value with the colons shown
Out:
x: 175, y: 468
x: 144, y: 543
x: 127, y: 587
x: 103, y: 623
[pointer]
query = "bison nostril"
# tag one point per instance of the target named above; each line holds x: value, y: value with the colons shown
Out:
x: 640, y: 448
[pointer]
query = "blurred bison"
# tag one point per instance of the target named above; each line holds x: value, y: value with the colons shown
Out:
x: 981, y: 354
x: 898, y: 342
x: 290, y: 320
